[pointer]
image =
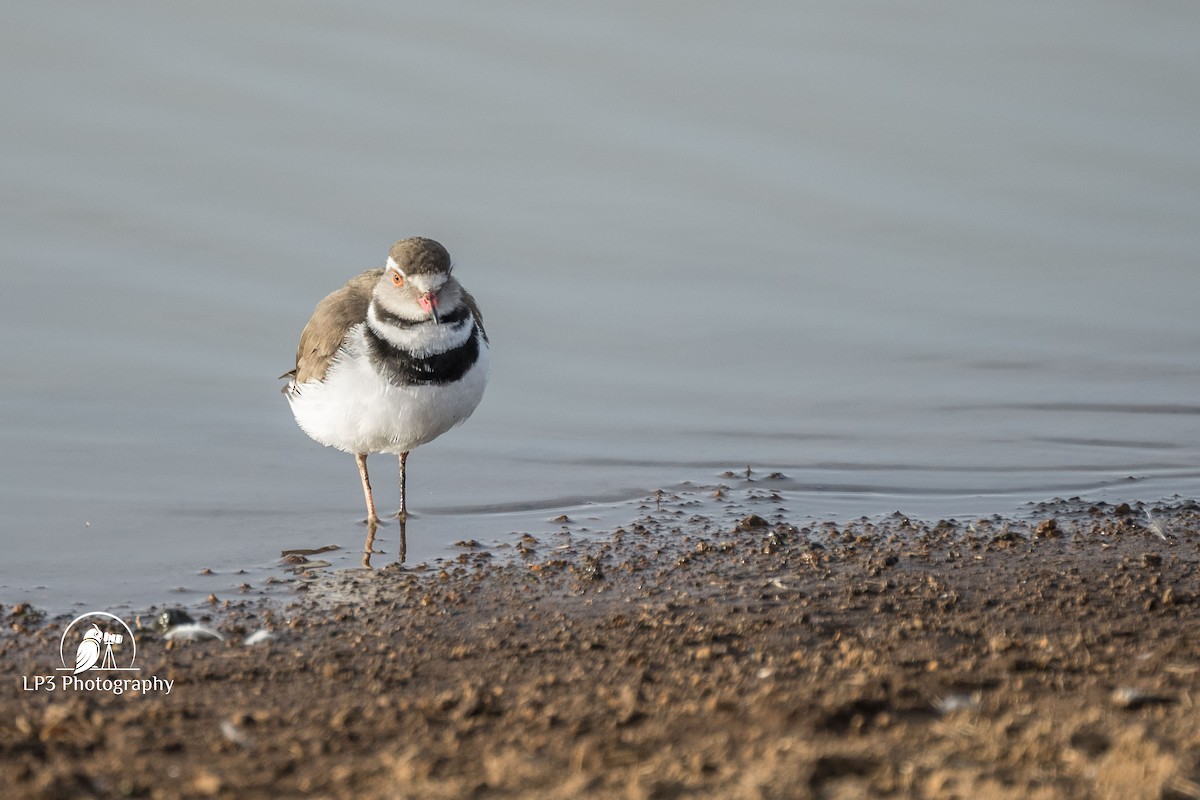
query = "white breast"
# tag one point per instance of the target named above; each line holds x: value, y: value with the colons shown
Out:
x: 356, y: 410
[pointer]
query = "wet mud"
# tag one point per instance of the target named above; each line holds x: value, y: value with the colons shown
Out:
x: 747, y: 654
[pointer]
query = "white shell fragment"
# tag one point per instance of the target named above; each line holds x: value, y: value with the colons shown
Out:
x: 191, y: 632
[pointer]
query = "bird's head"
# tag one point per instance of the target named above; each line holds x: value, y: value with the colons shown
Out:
x: 417, y: 284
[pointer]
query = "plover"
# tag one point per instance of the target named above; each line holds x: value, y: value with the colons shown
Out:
x: 390, y: 361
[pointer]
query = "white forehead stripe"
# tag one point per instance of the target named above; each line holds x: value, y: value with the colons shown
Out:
x: 393, y: 265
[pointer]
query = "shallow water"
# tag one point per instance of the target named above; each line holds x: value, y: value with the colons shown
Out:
x: 930, y: 258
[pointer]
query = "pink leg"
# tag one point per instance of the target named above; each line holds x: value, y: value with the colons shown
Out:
x: 361, y: 459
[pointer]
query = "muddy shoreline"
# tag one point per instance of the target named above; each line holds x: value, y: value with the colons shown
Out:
x: 745, y: 655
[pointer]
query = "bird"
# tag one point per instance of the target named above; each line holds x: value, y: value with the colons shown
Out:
x: 391, y: 361
x: 88, y: 652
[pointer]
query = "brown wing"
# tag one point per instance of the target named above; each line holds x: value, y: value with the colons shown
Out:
x: 469, y: 301
x: 336, y: 314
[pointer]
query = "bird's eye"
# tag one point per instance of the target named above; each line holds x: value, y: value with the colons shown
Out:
x: 397, y: 278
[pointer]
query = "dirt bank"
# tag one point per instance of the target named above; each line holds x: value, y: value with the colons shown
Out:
x: 1049, y: 656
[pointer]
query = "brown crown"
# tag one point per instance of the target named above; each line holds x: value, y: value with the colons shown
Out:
x: 420, y: 255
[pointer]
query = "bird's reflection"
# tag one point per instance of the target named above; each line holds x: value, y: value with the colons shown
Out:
x: 369, y: 544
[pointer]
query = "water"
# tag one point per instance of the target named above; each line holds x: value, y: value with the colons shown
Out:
x: 928, y: 257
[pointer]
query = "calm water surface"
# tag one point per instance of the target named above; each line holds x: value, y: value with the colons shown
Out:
x: 927, y: 257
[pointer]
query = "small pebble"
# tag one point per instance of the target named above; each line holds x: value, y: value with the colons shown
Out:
x: 752, y: 522
x: 1131, y: 698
